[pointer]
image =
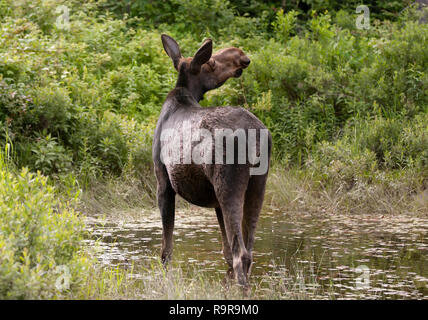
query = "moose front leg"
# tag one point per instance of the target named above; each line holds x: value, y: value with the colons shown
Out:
x: 166, y: 203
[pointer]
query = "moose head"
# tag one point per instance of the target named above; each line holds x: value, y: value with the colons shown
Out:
x: 205, y: 71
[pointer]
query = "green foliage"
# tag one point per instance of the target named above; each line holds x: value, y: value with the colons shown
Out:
x: 40, y: 239
x: 369, y: 147
x: 345, y: 20
x: 49, y: 156
x: 157, y: 12
x: 397, y: 143
x: 284, y: 24
x: 201, y: 16
x: 339, y: 164
x: 68, y: 98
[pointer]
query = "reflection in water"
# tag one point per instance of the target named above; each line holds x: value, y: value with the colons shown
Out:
x: 390, y: 252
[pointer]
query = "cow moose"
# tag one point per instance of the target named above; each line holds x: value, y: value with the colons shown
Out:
x: 229, y: 188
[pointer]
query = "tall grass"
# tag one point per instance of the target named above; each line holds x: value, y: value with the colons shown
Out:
x: 153, y: 281
x: 378, y: 193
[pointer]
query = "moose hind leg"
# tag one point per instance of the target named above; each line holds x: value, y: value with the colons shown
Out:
x: 240, y: 256
x: 253, y: 204
x: 226, y: 248
x: 231, y: 199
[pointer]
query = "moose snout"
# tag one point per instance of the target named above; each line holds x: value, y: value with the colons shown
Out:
x: 245, y: 61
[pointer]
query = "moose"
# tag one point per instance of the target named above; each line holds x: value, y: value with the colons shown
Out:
x: 229, y: 188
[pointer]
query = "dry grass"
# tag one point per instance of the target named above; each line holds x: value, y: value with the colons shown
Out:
x: 301, y: 191
x: 123, y: 193
x: 290, y: 190
x: 154, y: 282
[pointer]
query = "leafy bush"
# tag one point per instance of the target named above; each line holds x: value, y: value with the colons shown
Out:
x: 318, y: 76
x: 284, y: 24
x: 338, y: 164
x: 49, y: 156
x: 370, y: 147
x: 40, y: 239
x: 397, y: 143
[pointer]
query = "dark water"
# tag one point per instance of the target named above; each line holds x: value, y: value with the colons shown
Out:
x: 375, y: 257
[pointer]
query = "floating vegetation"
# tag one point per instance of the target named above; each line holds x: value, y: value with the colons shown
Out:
x: 305, y: 255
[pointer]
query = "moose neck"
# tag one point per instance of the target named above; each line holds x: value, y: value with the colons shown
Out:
x: 191, y: 83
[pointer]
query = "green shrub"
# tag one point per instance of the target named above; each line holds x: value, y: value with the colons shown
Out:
x: 397, y: 143
x: 202, y: 16
x: 50, y: 157
x: 322, y: 75
x: 284, y: 24
x: 40, y: 240
x: 370, y: 147
x: 338, y: 164
x: 345, y: 20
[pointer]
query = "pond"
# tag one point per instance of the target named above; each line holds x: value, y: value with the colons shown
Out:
x: 364, y: 256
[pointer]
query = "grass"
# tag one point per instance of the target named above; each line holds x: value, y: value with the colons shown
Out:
x: 303, y: 191
x: 155, y: 282
x: 122, y: 193
x: 289, y: 190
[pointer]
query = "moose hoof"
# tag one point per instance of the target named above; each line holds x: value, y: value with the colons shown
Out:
x: 230, y: 274
x: 228, y: 278
x: 165, y: 258
x: 246, y: 290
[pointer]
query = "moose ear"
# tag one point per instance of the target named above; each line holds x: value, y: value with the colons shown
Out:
x: 211, y: 63
x: 172, y: 49
x: 202, y: 56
